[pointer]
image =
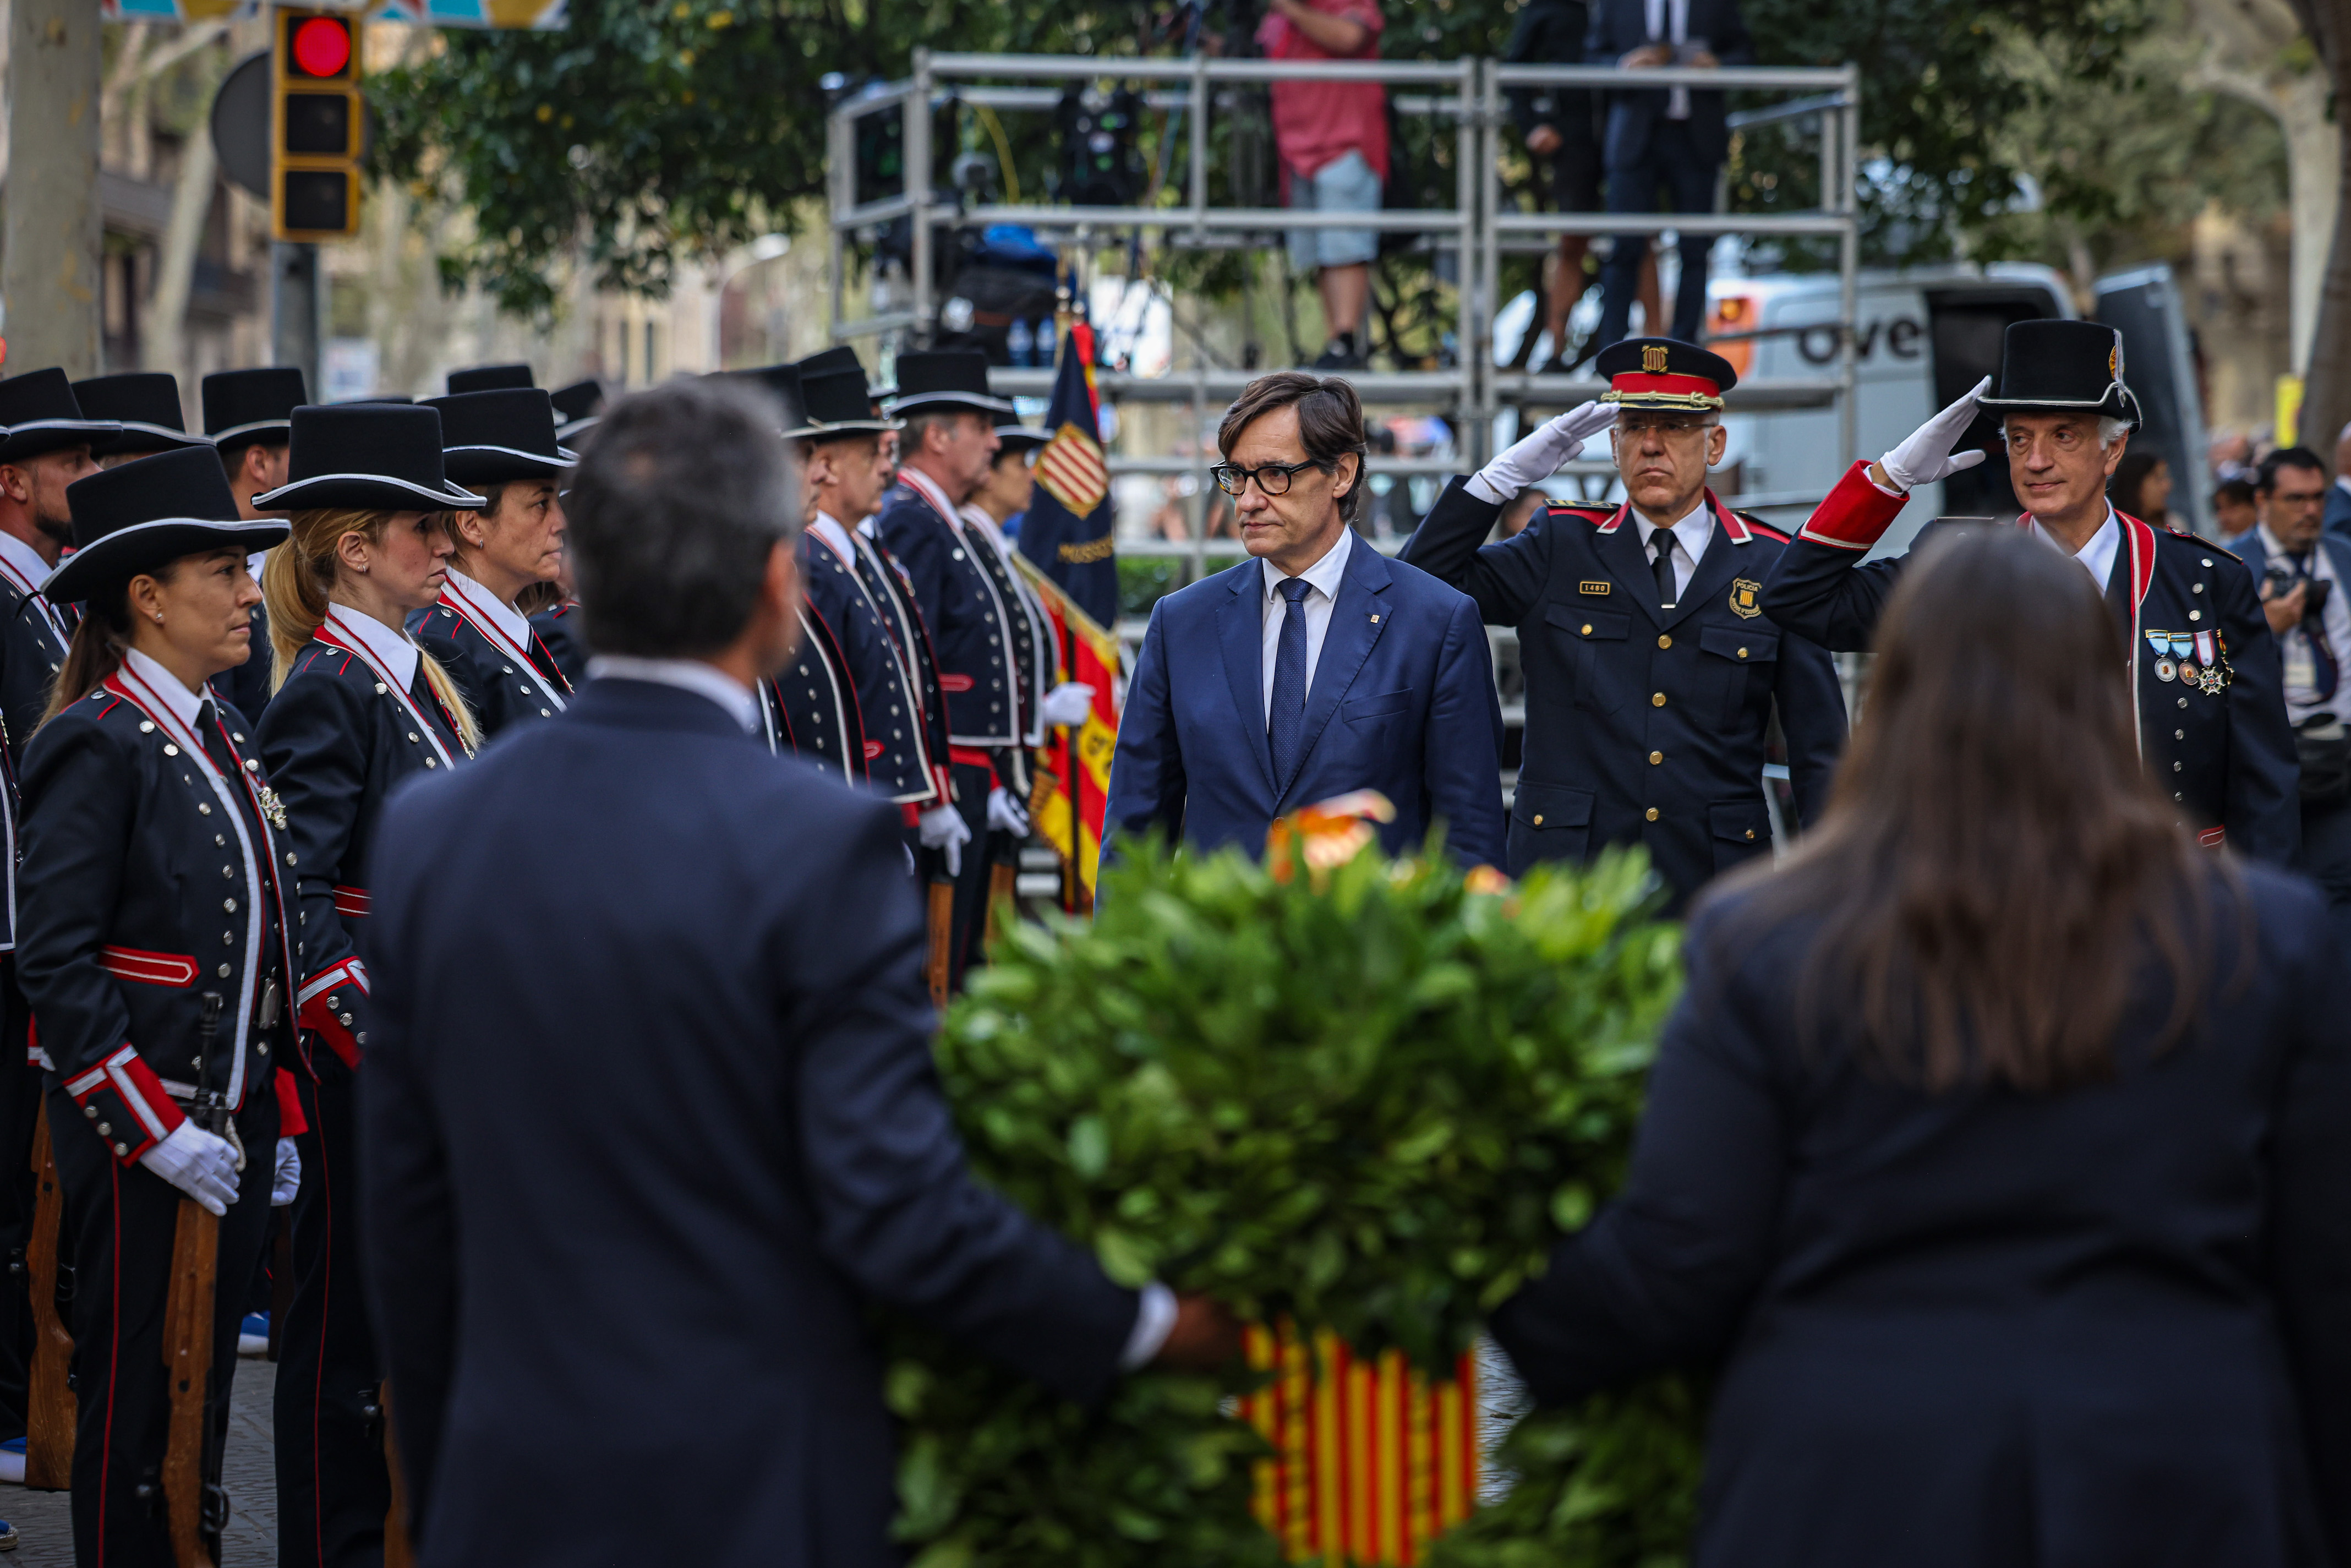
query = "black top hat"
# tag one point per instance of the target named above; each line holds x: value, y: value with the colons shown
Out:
x: 1016, y: 437
x: 781, y: 383
x: 490, y: 437
x: 1663, y: 373
x: 841, y: 357
x: 2052, y: 366
x: 375, y: 457
x: 41, y: 416
x: 839, y: 404
x: 577, y: 407
x: 373, y: 397
x: 946, y: 379
x: 137, y: 517
x: 241, y: 407
x: 145, y: 404
x: 489, y: 378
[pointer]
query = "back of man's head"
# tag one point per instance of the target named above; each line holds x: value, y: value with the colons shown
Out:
x: 681, y: 497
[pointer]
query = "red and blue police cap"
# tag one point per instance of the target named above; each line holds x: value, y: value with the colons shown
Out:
x: 1663, y: 373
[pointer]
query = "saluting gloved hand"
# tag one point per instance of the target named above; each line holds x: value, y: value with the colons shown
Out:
x: 1005, y: 815
x: 1926, y: 456
x: 1067, y: 703
x: 198, y: 1163
x: 943, y: 828
x: 288, y: 1178
x: 1538, y: 456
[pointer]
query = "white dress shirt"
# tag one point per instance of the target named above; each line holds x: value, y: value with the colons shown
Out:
x: 828, y: 527
x: 2301, y: 662
x: 23, y: 566
x: 1690, y: 536
x: 2097, y: 557
x: 1669, y: 22
x: 393, y: 650
x: 740, y: 701
x: 495, y: 611
x: 1322, y: 580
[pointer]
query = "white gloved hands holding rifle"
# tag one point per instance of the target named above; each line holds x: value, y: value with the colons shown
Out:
x: 1538, y: 456
x: 286, y: 1180
x: 198, y: 1163
x: 1066, y: 703
x: 1926, y: 455
x: 1005, y: 815
x: 942, y: 828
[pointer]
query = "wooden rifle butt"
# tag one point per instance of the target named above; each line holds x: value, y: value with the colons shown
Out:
x: 1003, y: 885
x: 399, y: 1552
x: 188, y: 1307
x: 49, y: 1413
x: 942, y: 931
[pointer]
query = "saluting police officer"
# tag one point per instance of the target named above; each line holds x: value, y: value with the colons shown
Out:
x: 502, y: 444
x: 1653, y: 674
x: 2206, y: 681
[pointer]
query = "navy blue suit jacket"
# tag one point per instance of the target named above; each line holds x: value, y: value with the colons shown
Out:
x: 2256, y: 557
x: 2337, y: 519
x: 1985, y: 1328
x: 644, y: 1128
x: 1620, y: 26
x: 1402, y: 702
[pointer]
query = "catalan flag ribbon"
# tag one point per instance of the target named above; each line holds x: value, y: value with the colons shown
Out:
x: 1068, y: 529
x: 1073, y: 768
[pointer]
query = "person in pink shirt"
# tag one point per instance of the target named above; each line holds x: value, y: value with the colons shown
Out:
x: 1332, y: 137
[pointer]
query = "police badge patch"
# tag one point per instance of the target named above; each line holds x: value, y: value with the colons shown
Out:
x: 1743, y: 599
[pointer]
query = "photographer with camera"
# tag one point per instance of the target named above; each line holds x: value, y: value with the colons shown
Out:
x: 2301, y: 568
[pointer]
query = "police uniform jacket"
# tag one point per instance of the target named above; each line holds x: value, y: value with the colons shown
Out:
x: 963, y: 604
x: 508, y: 676
x: 886, y: 581
x: 896, y: 755
x: 2212, y: 719
x: 1033, y: 629
x: 354, y: 719
x: 154, y: 857
x: 1644, y: 724
x: 745, y: 1126
x: 33, y: 637
x: 1981, y: 1328
x: 559, y: 632
x: 809, y: 706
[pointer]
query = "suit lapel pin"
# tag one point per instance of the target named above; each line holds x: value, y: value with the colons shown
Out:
x: 1375, y: 619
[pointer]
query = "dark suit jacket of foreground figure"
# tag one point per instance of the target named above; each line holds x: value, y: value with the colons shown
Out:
x: 1402, y: 702
x: 1986, y: 1330
x: 645, y: 1128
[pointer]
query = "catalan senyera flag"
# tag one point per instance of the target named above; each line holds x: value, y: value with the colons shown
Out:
x: 1068, y: 530
x: 1074, y: 772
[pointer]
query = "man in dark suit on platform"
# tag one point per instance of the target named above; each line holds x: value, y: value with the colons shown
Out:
x: 1313, y: 669
x: 645, y: 1128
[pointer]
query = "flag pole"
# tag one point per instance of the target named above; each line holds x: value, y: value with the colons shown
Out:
x: 1071, y: 880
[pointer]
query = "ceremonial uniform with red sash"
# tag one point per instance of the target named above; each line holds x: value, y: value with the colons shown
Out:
x: 507, y: 672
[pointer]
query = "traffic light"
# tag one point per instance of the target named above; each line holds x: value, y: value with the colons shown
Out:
x: 317, y: 127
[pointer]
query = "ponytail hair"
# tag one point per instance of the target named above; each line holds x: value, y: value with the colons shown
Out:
x: 300, y: 579
x: 97, y: 650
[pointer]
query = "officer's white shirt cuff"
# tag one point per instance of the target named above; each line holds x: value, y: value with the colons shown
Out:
x: 1155, y: 1320
x: 1485, y: 490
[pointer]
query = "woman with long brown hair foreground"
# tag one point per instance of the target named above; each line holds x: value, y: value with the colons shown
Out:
x: 1997, y: 1144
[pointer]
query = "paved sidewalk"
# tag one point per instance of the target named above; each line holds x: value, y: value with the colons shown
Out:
x: 44, y: 1529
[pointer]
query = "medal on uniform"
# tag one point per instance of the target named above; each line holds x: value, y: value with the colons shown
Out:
x: 271, y: 806
x: 2164, y: 670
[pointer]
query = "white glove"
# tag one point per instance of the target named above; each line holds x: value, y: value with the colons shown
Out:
x: 1926, y: 455
x: 1005, y: 815
x: 198, y: 1163
x: 943, y: 828
x: 1067, y: 703
x: 288, y: 1180
x: 1538, y: 456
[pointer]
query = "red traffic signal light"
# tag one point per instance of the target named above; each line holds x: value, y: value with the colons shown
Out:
x: 321, y: 46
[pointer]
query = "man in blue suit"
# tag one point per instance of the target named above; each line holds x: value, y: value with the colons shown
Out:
x: 1315, y: 668
x: 650, y: 1115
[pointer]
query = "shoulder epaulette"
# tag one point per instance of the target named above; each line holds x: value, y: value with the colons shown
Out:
x: 1590, y: 514
x: 1776, y: 535
x: 2199, y: 542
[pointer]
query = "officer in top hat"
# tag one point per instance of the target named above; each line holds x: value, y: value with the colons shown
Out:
x: 841, y: 357
x: 247, y: 416
x: 502, y: 444
x: 2205, y: 674
x: 577, y: 407
x: 1654, y: 676
x: 958, y: 586
x: 994, y: 511
x: 146, y: 404
x: 490, y: 378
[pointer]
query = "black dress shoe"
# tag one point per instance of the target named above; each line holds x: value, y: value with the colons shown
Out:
x: 1339, y: 355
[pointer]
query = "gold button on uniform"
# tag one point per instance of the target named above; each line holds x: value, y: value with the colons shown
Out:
x: 1750, y: 832
x: 1538, y: 818
x: 1652, y: 813
x: 1588, y: 628
x: 1656, y: 758
x: 1665, y: 642
x: 1743, y: 652
x: 1658, y: 700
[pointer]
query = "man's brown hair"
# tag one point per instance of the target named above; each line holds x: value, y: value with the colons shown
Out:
x: 1329, y: 423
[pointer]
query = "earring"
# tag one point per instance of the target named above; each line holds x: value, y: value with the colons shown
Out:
x: 159, y: 618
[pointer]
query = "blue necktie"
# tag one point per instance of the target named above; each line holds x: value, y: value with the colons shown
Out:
x: 1285, y: 719
x: 2324, y: 671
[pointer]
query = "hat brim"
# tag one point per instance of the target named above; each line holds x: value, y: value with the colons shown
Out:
x: 819, y: 431
x: 138, y: 435
x: 35, y: 436
x: 973, y: 403
x: 2118, y: 403
x: 1687, y: 402
x: 499, y: 465
x: 1014, y: 435
x: 366, y: 492
x: 566, y: 430
x: 142, y: 546
x: 275, y: 431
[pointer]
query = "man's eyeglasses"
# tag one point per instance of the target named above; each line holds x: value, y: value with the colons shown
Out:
x: 1272, y: 480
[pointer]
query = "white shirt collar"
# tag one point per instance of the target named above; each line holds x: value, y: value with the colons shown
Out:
x: 2097, y: 557
x: 740, y: 701
x: 2275, y: 547
x: 23, y: 560
x: 489, y: 607
x: 1691, y: 533
x: 2344, y: 480
x: 393, y: 650
x: 1325, y: 574
x: 185, y: 703
x: 928, y: 488
x: 828, y: 528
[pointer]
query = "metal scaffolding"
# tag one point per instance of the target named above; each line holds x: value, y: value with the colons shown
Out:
x: 1475, y: 229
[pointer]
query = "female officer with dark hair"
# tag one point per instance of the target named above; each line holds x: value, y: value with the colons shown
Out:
x: 1997, y: 1143
x: 360, y: 709
x: 153, y: 946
